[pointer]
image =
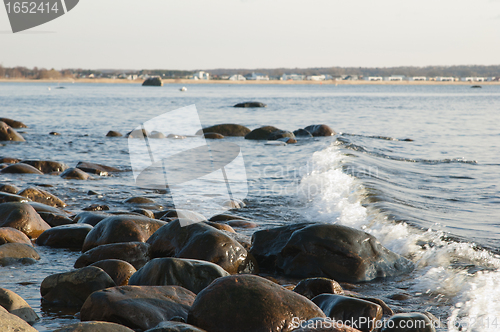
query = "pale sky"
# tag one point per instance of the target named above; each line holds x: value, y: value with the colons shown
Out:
x: 207, y: 34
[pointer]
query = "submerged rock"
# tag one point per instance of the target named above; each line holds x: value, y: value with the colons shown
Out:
x: 157, y: 135
x: 320, y: 130
x: 41, y: 196
x: 249, y: 303
x: 13, y: 123
x: 94, y: 327
x: 15, y: 305
x: 227, y: 129
x: 65, y: 236
x: 75, y: 174
x: 46, y: 166
x: 153, y: 81
x: 137, y: 307
x: 302, y: 133
x: 20, y: 168
x: 250, y: 104
x: 9, y: 134
x: 22, y: 217
x: 135, y: 253
x: 119, y: 270
x: 13, y: 253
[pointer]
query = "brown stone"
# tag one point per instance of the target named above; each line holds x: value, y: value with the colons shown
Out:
x: 320, y: 130
x: 91, y: 218
x: 12, y: 253
x: 135, y: 253
x: 15, y: 305
x: 9, y: 134
x: 75, y: 174
x: 113, y: 133
x: 313, y: 287
x: 22, y: 217
x: 12, y: 235
x: 66, y: 236
x: 13, y: 123
x: 96, y: 168
x: 222, y: 227
x: 41, y: 196
x: 9, y: 188
x: 227, y: 129
x: 20, y: 168
x: 94, y: 327
x: 47, y: 166
x: 119, y: 270
x: 12, y: 323
x: 213, y: 136
x: 6, y: 197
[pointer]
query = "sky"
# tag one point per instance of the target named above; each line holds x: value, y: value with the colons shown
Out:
x: 201, y: 34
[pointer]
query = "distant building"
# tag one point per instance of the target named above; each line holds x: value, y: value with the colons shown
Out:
x: 373, y: 78
x: 237, y: 77
x: 350, y: 77
x: 257, y: 77
x: 293, y: 77
x: 445, y: 79
x: 316, y: 78
x: 132, y: 77
x: 394, y: 78
x: 201, y: 75
x: 417, y: 78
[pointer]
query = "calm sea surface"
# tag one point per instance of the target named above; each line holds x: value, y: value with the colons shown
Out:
x: 416, y: 166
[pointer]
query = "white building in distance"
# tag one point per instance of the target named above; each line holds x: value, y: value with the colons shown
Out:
x: 257, y: 77
x: 293, y: 77
x: 237, y: 77
x: 373, y: 78
x: 201, y: 75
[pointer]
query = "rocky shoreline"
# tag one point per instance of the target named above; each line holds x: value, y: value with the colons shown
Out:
x: 140, y: 270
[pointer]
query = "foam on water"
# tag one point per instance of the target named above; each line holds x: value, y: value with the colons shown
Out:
x: 466, y: 276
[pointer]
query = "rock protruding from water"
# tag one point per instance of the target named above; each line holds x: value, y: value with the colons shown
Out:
x: 20, y: 168
x: 313, y: 287
x: 93, y: 327
x: 14, y: 253
x: 97, y: 169
x: 41, y: 196
x: 13, y: 123
x: 302, y: 133
x: 12, y: 323
x: 213, y: 136
x: 16, y: 305
x: 12, y: 235
x: 191, y: 274
x: 9, y: 134
x: 320, y: 130
x: 6, y: 197
x: 23, y: 217
x: 75, y: 174
x: 153, y: 81
x: 113, y: 133
x: 91, y: 217
x: 66, y: 236
x: 250, y: 104
x: 119, y: 270
x: 227, y: 129
x: 248, y: 303
x: 268, y: 133
x: 46, y: 166
x: 137, y: 307
x: 325, y: 250
x: 135, y: 253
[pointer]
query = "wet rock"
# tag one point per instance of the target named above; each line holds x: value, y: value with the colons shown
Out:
x: 96, y: 207
x: 234, y: 204
x: 227, y: 129
x: 200, y: 241
x: 157, y: 134
x: 65, y: 236
x: 137, y: 133
x: 120, y: 271
x: 175, y: 327
x: 12, y: 235
x: 41, y: 196
x: 20, y: 168
x: 153, y: 81
x: 320, y: 130
x: 250, y: 104
x: 325, y: 250
x: 241, y: 224
x: 288, y: 140
x: 40, y: 207
x: 267, y: 133
x: 91, y: 218
x: 302, y: 133
x: 364, y: 314
x: 213, y: 136
x: 6, y: 197
x: 226, y: 217
x: 9, y: 134
x: 124, y: 228
x: 75, y: 174
x: 71, y: 289
x: 138, y: 307
x: 409, y: 322
x: 281, y: 134
x: 7, y: 160
x: 96, y: 168
x: 22, y: 217
x: 56, y: 219
x: 94, y: 327
x: 15, y: 305
x: 222, y: 227
x: 13, y: 253
x: 13, y: 123
x: 8, y: 188
x: 135, y: 253
x: 113, y: 133
x: 92, y: 192
x: 12, y: 323
x: 145, y: 212
x: 249, y: 303
x: 47, y: 166
x: 386, y: 310
x: 179, y: 213
x: 139, y: 200
x: 191, y: 274
x: 312, y: 287
x: 54, y: 133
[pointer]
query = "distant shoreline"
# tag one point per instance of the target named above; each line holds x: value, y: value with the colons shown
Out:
x: 276, y: 82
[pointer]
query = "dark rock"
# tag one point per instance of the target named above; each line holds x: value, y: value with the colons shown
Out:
x: 92, y: 192
x: 96, y: 168
x: 145, y: 212
x: 213, y: 136
x: 94, y: 327
x: 191, y: 274
x: 75, y: 174
x: 222, y: 227
x: 139, y: 200
x: 280, y: 134
x: 13, y: 123
x: 153, y: 81
x: 47, y: 166
x: 135, y: 253
x: 96, y: 207
x: 91, y: 218
x: 7, y: 160
x: 200, y: 241
x: 9, y: 134
x: 12, y: 235
x: 15, y: 305
x: 6, y: 197
x: 71, y: 289
x: 262, y: 133
x: 364, y: 314
x: 249, y: 303
x: 113, y: 133
x: 288, y: 140
x: 13, y: 253
x: 138, y: 307
x: 250, y: 104
x: 226, y: 217
x: 120, y: 271
x: 313, y: 287
x: 124, y: 228
x: 320, y: 130
x: 22, y: 217
x: 241, y: 223
x: 20, y: 168
x: 409, y: 322
x: 65, y: 236
x: 386, y: 310
x: 54, y: 133
x: 8, y: 188
x: 227, y: 129
x: 12, y: 323
x: 41, y: 196
x: 302, y: 133
x: 56, y: 219
x: 174, y: 327
x: 40, y: 207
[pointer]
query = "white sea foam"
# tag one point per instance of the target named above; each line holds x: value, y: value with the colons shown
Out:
x: 333, y: 196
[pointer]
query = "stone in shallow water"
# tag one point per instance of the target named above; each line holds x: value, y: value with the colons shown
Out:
x: 9, y: 188
x: 12, y: 235
x: 22, y: 217
x: 66, y: 236
x: 312, y: 287
x: 227, y: 129
x: 75, y: 174
x: 320, y: 130
x: 96, y: 168
x: 91, y: 218
x: 46, y: 166
x: 7, y: 197
x: 409, y: 322
x: 12, y: 323
x: 135, y: 253
x: 113, y: 133
x: 94, y: 327
x: 9, y: 134
x: 16, y: 305
x: 13, y: 123
x: 41, y: 196
x: 14, y: 253
x: 20, y: 168
x: 250, y: 104
x: 119, y: 270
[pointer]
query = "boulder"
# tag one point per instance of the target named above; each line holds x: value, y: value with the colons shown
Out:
x: 221, y: 227
x: 56, y: 219
x: 249, y: 303
x: 302, y: 133
x: 22, y: 217
x: 13, y: 123
x: 20, y: 168
x: 65, y: 236
x: 12, y: 323
x: 325, y: 250
x: 139, y: 200
x: 135, y: 253
x: 94, y: 327
x: 75, y: 174
x: 9, y: 134
x: 16, y: 305
x: 200, y: 241
x: 153, y: 81
x: 213, y: 136
x: 96, y: 168
x: 71, y: 289
x: 137, y: 307
x: 157, y: 134
x: 123, y: 228
x: 144, y: 212
x: 9, y: 188
x: 41, y: 196
x: 8, y: 160
x: 241, y: 224
x: 363, y: 314
x: 409, y: 322
x: 91, y: 218
x: 227, y: 129
x: 40, y: 207
x: 191, y: 274
x: 113, y: 133
x: 226, y: 217
x: 14, y: 253
x: 313, y: 287
x: 12, y: 235
x: 6, y: 197
x: 320, y: 130
x: 281, y: 135
x: 47, y: 166
x: 250, y: 104
x: 171, y: 326
x: 120, y: 271
x: 138, y: 133
x: 261, y: 133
